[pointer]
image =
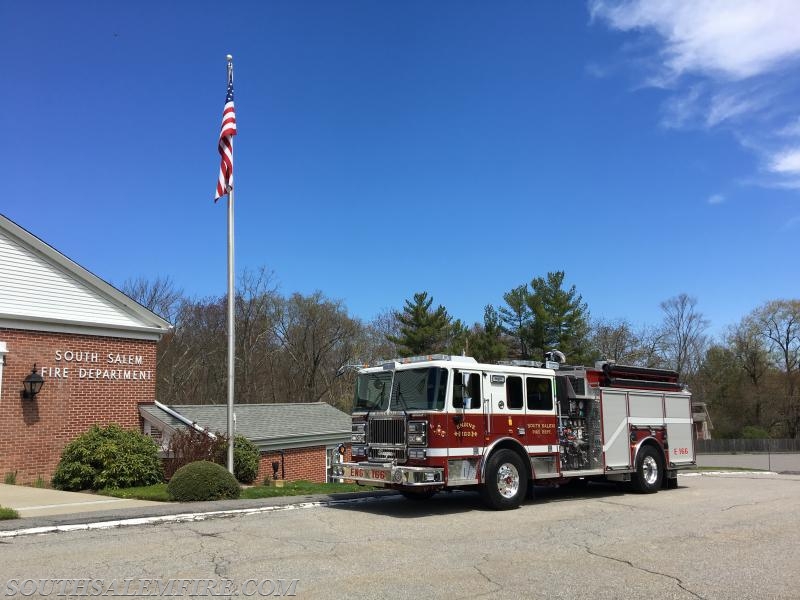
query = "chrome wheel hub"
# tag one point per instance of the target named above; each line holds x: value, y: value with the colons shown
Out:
x: 507, y: 480
x: 650, y: 470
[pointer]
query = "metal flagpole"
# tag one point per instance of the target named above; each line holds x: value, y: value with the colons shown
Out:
x: 231, y: 306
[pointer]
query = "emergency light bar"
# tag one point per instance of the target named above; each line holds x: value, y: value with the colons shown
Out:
x: 423, y: 358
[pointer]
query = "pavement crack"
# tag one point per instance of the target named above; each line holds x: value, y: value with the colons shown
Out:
x: 622, y: 504
x: 490, y: 593
x: 677, y: 580
x: 220, y: 566
x: 756, y: 503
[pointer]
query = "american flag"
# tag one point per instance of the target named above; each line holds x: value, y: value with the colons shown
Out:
x: 225, y: 181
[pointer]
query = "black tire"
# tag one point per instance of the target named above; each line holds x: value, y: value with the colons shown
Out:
x: 506, y: 481
x: 422, y: 494
x: 649, y: 471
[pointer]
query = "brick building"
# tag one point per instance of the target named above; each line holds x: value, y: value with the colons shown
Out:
x: 94, y: 347
x: 303, y: 438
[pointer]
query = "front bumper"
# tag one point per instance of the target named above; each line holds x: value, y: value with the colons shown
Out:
x: 382, y: 473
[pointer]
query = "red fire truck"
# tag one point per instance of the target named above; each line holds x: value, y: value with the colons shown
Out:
x: 430, y: 423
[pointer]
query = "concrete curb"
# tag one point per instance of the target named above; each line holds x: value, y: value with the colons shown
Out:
x: 179, y: 512
x: 727, y: 473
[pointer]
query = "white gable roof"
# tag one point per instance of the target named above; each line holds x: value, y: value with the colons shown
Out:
x: 42, y: 289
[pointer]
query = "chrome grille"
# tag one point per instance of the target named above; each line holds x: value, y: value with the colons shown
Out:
x: 386, y: 439
x: 387, y: 431
x: 387, y: 454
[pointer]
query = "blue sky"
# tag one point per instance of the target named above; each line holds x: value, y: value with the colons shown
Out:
x: 385, y: 148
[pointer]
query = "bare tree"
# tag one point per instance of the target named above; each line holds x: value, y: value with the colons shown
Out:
x: 317, y: 337
x: 615, y: 341
x: 159, y: 295
x: 684, y: 339
x: 256, y: 344
x: 779, y: 322
x: 747, y: 345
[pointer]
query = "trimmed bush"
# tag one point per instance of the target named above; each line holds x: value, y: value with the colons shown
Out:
x: 245, y: 458
x: 108, y: 457
x: 189, y: 445
x: 202, y: 480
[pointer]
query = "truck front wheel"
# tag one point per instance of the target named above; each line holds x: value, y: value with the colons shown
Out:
x: 506, y: 481
x: 649, y: 471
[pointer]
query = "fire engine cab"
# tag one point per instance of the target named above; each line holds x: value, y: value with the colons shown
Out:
x: 430, y: 423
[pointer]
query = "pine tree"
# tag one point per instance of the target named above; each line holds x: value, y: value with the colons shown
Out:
x: 560, y: 319
x: 422, y: 330
x: 488, y: 342
x: 516, y: 319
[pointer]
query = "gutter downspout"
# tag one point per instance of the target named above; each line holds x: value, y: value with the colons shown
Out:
x: 183, y: 419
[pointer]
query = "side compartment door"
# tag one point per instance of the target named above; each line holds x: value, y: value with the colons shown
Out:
x: 680, y: 433
x: 616, y: 432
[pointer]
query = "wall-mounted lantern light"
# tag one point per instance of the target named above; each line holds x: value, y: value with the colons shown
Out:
x: 33, y: 384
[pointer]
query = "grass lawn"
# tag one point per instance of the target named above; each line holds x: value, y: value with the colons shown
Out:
x: 158, y: 491
x: 8, y: 513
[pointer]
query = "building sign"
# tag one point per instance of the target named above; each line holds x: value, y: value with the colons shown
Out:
x: 82, y: 364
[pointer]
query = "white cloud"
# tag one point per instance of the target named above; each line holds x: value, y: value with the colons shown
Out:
x: 731, y: 38
x: 728, y: 64
x: 716, y: 199
x: 786, y: 162
x: 725, y: 107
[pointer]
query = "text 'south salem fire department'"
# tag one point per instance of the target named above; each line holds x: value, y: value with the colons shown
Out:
x: 429, y: 423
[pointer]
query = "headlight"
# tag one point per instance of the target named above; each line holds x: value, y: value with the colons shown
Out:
x: 359, y: 451
x: 359, y: 434
x: 417, y: 433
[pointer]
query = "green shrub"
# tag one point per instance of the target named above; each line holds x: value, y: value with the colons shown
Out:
x: 202, y: 480
x: 751, y: 432
x: 8, y: 513
x: 108, y: 457
x: 245, y: 458
x: 10, y: 478
x: 189, y: 445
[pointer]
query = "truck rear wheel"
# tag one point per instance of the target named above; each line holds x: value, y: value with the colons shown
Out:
x: 506, y: 481
x: 649, y: 471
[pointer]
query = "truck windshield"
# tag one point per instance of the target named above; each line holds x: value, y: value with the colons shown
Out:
x: 419, y: 389
x: 372, y: 391
x: 413, y: 389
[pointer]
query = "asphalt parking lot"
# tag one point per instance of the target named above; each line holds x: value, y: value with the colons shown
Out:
x: 716, y: 536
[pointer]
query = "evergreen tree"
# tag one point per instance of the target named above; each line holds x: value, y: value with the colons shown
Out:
x: 423, y: 330
x: 488, y: 343
x: 516, y: 319
x: 560, y: 319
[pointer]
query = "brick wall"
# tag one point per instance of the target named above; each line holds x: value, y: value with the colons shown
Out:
x: 93, y: 390
x: 298, y: 463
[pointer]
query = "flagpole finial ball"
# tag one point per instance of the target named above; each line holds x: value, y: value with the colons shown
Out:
x: 229, y: 57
